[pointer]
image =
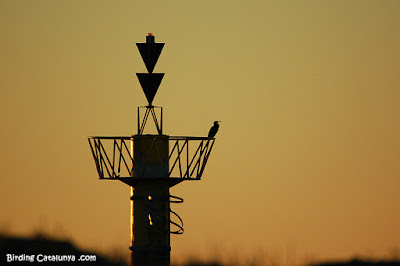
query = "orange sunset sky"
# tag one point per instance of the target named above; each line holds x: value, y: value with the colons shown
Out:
x: 306, y: 162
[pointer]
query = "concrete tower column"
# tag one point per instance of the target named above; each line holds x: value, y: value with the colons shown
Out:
x: 150, y: 207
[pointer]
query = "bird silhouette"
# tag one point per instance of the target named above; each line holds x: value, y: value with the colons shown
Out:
x: 213, y: 129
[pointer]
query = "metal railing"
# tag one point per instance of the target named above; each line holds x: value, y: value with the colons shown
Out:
x: 114, y: 161
x: 187, y: 159
x: 187, y: 162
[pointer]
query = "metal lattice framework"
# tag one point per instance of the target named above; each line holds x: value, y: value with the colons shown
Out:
x: 157, y: 122
x: 114, y: 161
x: 188, y: 156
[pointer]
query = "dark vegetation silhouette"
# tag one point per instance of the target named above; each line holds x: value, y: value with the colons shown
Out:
x: 43, y: 244
x: 359, y: 262
x: 352, y: 262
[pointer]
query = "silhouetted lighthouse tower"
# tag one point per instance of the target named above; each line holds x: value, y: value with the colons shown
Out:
x: 151, y: 164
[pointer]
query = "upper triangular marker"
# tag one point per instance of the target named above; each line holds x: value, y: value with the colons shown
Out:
x: 150, y: 51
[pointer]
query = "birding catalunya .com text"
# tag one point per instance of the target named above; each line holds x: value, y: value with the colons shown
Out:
x: 49, y: 258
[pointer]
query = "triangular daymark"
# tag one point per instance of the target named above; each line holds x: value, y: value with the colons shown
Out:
x: 150, y: 53
x: 150, y: 83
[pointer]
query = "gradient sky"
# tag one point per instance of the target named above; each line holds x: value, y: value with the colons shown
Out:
x: 306, y: 163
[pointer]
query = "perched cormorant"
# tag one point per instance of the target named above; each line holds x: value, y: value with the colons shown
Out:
x: 213, y: 129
